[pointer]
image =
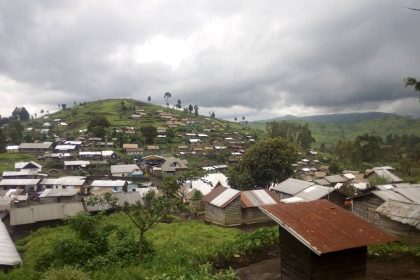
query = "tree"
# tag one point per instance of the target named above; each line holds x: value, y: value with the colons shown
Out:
x: 149, y: 133
x: 265, y: 163
x: 170, y: 134
x: 196, y: 109
x: 149, y: 98
x: 212, y: 114
x: 99, y: 131
x: 178, y: 104
x: 166, y: 96
x: 97, y: 121
x: 15, y: 131
x: 21, y: 114
x: 3, y: 141
x: 190, y: 108
x: 412, y: 82
x: 146, y: 215
x: 235, y: 119
x: 64, y: 106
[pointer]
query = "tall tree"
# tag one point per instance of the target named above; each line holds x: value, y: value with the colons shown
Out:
x: 149, y: 133
x: 196, y: 109
x: 149, y: 99
x: 167, y: 96
x: 414, y: 83
x: 97, y: 125
x: 15, y: 132
x: 3, y: 141
x: 268, y: 161
x: 178, y: 104
x: 190, y: 108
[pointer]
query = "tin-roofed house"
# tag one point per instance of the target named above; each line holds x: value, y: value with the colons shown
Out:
x: 383, y: 173
x: 28, y: 185
x: 31, y: 165
x: 222, y: 206
x: 126, y: 170
x: 58, y: 195
x: 39, y: 148
x: 319, y: 240
x: 76, y: 164
x: 78, y: 183
x: 289, y: 188
x: 251, y: 200
x: 173, y: 166
x: 115, y: 185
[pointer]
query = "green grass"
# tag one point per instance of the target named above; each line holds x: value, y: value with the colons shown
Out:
x: 182, y: 249
x: 394, y: 250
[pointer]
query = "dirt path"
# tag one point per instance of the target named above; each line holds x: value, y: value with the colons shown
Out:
x: 403, y: 269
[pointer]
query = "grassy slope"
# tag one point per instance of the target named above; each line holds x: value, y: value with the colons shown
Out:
x: 331, y: 133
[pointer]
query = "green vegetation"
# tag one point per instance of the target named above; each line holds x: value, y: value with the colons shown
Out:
x: 394, y: 250
x: 182, y: 249
x: 266, y: 162
x: 331, y: 133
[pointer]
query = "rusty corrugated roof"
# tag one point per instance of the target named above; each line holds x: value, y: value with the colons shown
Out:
x: 325, y: 227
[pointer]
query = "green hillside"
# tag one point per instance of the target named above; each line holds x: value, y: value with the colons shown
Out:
x: 331, y: 133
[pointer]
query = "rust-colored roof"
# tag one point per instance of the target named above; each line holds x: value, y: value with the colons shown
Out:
x: 324, y: 227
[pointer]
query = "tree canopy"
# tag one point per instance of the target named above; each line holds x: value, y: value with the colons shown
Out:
x: 268, y: 161
x: 97, y: 120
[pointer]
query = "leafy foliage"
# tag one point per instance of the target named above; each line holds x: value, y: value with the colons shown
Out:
x: 264, y: 163
x: 149, y: 133
x: 97, y: 124
x: 299, y: 134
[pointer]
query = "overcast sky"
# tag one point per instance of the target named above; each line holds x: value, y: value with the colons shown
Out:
x: 258, y: 59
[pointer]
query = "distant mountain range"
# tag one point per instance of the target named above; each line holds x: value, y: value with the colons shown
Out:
x: 349, y: 118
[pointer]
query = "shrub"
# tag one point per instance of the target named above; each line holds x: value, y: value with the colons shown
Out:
x: 65, y: 273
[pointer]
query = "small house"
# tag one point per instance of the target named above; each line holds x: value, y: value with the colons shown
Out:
x: 319, y: 240
x: 67, y: 182
x: 31, y: 165
x: 251, y: 200
x: 76, y: 164
x: 29, y: 185
x: 173, y: 166
x: 222, y: 206
x: 115, y: 185
x: 289, y: 187
x: 126, y: 170
x: 58, y: 195
x: 12, y: 149
x: 383, y: 173
x: 38, y: 148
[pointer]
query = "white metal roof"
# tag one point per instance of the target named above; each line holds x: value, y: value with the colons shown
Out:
x: 224, y: 197
x: 19, y: 182
x: 65, y: 181
x: 207, y: 183
x: 8, y: 253
x: 58, y: 192
x: 124, y: 168
x: 23, y: 172
x: 349, y: 176
x: 292, y: 186
x: 23, y: 164
x: 77, y: 162
x: 314, y: 192
x: 108, y: 183
x: 292, y: 199
x: 90, y: 153
x: 65, y: 147
x: 71, y: 142
x: 264, y: 197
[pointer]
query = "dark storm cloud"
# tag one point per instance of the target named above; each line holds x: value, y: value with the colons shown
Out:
x: 267, y: 56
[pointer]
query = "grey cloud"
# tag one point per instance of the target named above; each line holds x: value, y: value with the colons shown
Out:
x: 265, y: 55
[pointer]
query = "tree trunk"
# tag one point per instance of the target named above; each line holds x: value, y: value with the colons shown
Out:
x: 141, y: 246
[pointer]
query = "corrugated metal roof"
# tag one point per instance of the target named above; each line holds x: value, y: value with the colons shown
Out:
x: 108, y: 183
x: 23, y: 172
x: 324, y: 227
x: 336, y: 179
x: 19, y: 182
x: 213, y: 193
x: 207, y: 183
x: 403, y: 212
x: 65, y: 181
x: 124, y: 168
x: 24, y: 164
x: 225, y: 197
x: 321, y: 182
x: 314, y: 192
x: 389, y: 194
x: 387, y: 175
x: 58, y: 192
x: 256, y: 198
x: 292, y: 186
x: 411, y: 193
x: 76, y: 162
x: 8, y: 253
x: 65, y: 147
x: 292, y: 199
x: 45, y: 145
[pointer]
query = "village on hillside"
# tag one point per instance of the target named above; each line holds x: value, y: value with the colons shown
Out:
x: 62, y: 173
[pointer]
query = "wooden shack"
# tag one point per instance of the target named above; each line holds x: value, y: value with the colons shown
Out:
x: 222, y: 206
x: 250, y: 200
x: 319, y: 240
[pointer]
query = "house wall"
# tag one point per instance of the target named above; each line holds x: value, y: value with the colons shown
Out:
x: 253, y: 215
x: 299, y: 262
x: 403, y: 232
x: 345, y: 264
x: 214, y: 214
x: 295, y: 258
x: 228, y: 216
x: 364, y: 207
